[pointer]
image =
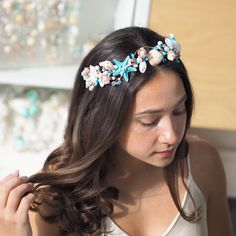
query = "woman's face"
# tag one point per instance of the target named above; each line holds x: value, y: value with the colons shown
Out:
x: 157, y: 122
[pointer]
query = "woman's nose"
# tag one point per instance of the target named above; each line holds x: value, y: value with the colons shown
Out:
x: 167, y: 132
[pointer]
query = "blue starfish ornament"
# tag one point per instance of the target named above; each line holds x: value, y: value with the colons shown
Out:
x: 123, y: 68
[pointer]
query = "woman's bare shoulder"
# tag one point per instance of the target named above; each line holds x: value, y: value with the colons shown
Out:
x: 40, y: 227
x: 200, y: 147
x: 206, y: 164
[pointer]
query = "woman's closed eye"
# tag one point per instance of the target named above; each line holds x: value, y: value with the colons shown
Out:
x: 177, y: 112
x: 150, y: 123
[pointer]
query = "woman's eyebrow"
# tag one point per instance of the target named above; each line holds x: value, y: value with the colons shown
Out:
x: 151, y: 111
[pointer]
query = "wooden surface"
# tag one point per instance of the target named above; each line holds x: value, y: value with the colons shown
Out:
x: 207, y: 33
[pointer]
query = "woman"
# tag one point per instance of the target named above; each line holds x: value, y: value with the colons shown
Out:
x: 126, y: 166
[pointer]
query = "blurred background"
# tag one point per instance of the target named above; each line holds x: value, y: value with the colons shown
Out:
x: 43, y: 42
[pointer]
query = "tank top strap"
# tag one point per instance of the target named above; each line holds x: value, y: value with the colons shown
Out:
x: 189, y: 166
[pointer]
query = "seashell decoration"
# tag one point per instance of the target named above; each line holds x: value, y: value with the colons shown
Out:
x: 155, y: 57
x: 171, y: 55
x: 142, y: 52
x: 142, y: 66
x: 169, y: 43
x: 107, y: 73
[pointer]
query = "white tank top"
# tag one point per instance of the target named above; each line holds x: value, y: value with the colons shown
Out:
x: 179, y: 226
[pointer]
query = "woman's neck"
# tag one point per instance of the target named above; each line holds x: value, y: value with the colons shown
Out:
x: 134, y: 177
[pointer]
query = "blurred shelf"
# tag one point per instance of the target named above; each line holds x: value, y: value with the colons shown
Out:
x: 27, y: 163
x: 61, y: 77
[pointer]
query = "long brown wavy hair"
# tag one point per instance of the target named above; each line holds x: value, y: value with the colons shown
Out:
x: 71, y: 181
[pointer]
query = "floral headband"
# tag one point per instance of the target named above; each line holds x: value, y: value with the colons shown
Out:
x: 108, y: 73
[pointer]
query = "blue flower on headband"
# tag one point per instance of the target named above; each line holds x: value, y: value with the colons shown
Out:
x: 123, y: 68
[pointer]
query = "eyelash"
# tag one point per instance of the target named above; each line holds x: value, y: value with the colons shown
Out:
x: 149, y: 124
x: 179, y: 113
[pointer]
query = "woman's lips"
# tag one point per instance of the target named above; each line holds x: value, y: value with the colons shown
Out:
x: 166, y: 153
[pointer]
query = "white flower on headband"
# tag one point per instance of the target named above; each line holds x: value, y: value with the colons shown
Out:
x: 108, y: 73
x: 91, y: 75
x: 106, y: 65
x: 142, y: 52
x: 172, y: 43
x: 104, y: 79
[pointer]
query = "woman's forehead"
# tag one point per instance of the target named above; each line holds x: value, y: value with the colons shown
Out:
x: 165, y: 89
